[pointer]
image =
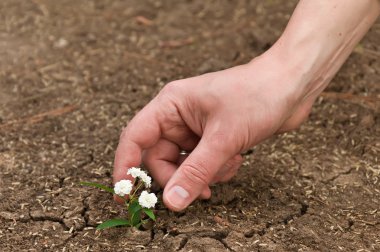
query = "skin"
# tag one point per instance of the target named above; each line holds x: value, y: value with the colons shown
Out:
x: 217, y: 116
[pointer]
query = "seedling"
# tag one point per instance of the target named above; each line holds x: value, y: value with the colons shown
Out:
x: 139, y: 202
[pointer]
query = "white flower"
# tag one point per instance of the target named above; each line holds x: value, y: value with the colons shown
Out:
x: 123, y: 187
x: 135, y: 172
x: 146, y: 179
x: 147, y: 200
x: 138, y: 173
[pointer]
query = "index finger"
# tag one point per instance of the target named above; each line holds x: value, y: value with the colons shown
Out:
x: 141, y: 133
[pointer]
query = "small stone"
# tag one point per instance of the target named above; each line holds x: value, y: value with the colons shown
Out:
x: 367, y: 121
x: 61, y: 43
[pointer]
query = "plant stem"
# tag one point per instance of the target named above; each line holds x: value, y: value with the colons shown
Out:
x: 137, y: 188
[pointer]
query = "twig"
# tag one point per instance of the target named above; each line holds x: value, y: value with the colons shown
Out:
x: 221, y: 221
x: 144, y: 21
x: 368, y: 222
x: 39, y: 117
x: 176, y: 43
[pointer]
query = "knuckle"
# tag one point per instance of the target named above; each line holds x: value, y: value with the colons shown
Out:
x: 169, y: 94
x: 196, y: 174
x: 170, y: 88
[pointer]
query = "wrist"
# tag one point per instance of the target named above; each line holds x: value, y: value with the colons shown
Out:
x: 319, y: 38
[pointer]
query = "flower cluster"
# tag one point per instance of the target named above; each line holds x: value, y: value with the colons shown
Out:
x: 138, y: 173
x: 124, y: 187
x: 139, y: 202
x: 147, y: 200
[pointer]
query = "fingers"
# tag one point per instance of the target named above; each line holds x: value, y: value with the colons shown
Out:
x: 141, y: 133
x: 162, y: 162
x: 182, y: 136
x: 196, y: 172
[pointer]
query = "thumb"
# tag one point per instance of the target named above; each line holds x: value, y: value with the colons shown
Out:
x: 196, y: 172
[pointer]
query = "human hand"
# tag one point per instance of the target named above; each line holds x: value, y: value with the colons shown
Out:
x: 215, y: 117
x: 218, y: 115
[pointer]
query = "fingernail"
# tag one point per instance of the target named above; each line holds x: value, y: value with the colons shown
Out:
x: 178, y: 197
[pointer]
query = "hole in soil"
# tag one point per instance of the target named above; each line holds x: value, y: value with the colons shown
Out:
x: 233, y: 202
x: 268, y: 225
x: 61, y: 180
x: 174, y: 233
x: 179, y: 215
x: 164, y: 229
x: 287, y: 219
x: 182, y: 243
x: 350, y: 224
x: 304, y: 208
x: 249, y: 234
x: 261, y: 232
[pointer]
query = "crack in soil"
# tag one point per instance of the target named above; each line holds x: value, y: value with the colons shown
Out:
x: 219, y: 236
x: 60, y: 182
x: 84, y: 213
x: 49, y: 218
x: 337, y: 176
x: 78, y: 231
x: 302, y: 211
x: 304, y: 208
x: 212, y: 234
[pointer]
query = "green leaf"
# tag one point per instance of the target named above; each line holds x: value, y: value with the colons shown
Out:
x: 133, y: 207
x: 150, y: 213
x: 136, y: 218
x: 100, y: 186
x: 113, y: 223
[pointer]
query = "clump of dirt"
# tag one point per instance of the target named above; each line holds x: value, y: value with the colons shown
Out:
x: 72, y: 73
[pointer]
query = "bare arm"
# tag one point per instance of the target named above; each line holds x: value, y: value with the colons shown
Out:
x: 321, y: 35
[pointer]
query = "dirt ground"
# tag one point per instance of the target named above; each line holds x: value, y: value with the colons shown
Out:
x: 72, y: 73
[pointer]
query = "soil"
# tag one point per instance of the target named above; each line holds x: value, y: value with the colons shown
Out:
x: 72, y: 73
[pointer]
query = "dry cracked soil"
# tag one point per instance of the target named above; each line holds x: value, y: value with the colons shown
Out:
x: 72, y: 73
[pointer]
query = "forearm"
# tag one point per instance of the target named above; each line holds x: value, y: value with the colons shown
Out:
x: 320, y: 36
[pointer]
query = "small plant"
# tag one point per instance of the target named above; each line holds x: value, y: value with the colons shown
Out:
x: 139, y: 207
